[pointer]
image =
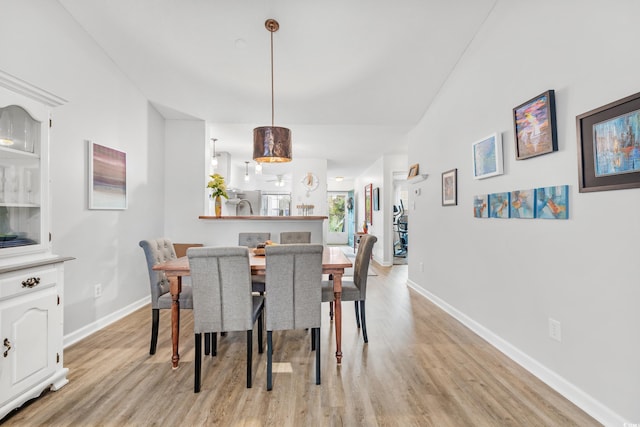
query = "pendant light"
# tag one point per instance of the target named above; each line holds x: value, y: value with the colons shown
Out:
x: 272, y: 143
x: 246, y: 171
x: 258, y: 168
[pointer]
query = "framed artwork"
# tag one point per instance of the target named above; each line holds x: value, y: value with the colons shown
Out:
x: 481, y: 206
x: 413, y: 171
x: 609, y: 146
x: 522, y: 204
x: 487, y: 156
x: 552, y: 202
x: 499, y: 205
x: 368, y: 214
x: 450, y: 188
x: 376, y: 199
x: 535, y: 126
x: 107, y: 177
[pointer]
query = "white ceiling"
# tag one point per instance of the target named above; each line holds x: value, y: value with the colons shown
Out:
x: 351, y: 77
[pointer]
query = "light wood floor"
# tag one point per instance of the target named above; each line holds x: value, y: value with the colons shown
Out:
x: 420, y: 368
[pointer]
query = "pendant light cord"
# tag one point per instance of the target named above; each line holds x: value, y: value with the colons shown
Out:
x: 272, y: 92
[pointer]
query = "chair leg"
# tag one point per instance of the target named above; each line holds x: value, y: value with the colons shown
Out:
x: 214, y: 344
x: 313, y: 340
x: 207, y: 343
x: 357, y: 315
x: 249, y: 356
x: 269, y: 360
x: 364, y: 322
x: 331, y: 310
x: 316, y: 334
x: 260, y: 327
x: 155, y: 324
x: 196, y: 376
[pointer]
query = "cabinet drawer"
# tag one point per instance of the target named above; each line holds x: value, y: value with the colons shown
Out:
x: 28, y: 280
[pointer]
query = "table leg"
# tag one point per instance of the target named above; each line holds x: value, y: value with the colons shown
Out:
x: 176, y: 286
x: 337, y: 309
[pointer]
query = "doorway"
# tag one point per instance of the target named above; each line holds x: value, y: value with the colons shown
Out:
x: 338, y: 230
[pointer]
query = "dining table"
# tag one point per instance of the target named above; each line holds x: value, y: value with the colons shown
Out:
x: 334, y: 261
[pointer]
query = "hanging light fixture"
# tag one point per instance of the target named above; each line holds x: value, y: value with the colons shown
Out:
x: 272, y: 143
x: 258, y: 168
x: 246, y: 171
x: 214, y: 158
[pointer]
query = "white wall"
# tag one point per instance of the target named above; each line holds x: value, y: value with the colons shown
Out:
x: 41, y: 44
x: 508, y: 277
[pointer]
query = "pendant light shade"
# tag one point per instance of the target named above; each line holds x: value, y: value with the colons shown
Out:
x: 271, y: 144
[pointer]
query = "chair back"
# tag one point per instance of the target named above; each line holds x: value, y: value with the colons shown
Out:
x: 157, y: 251
x: 294, y: 286
x: 361, y: 267
x: 221, y: 281
x: 295, y: 237
x: 251, y: 240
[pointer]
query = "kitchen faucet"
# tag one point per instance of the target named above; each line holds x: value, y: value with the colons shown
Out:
x: 248, y: 202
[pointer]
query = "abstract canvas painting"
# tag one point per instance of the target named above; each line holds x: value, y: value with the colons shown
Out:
x: 481, y: 206
x: 487, y: 157
x: 107, y: 177
x: 499, y: 205
x: 522, y: 204
x: 535, y: 127
x: 552, y: 202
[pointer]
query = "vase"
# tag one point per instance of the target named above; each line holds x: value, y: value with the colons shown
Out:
x: 218, y: 205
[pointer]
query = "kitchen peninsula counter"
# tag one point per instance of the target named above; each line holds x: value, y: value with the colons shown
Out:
x: 264, y: 218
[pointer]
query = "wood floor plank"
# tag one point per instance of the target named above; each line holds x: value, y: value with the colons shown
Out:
x: 420, y: 368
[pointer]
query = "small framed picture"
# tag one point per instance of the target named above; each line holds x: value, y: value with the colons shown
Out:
x: 450, y: 188
x: 487, y: 156
x: 376, y: 199
x: 535, y: 126
x: 413, y: 171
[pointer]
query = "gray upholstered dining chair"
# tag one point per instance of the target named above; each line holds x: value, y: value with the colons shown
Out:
x: 157, y: 251
x: 222, y: 299
x: 251, y: 240
x: 355, y: 289
x: 294, y: 278
x: 294, y: 237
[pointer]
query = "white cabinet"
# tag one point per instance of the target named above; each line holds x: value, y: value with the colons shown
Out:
x: 31, y: 277
x: 31, y: 319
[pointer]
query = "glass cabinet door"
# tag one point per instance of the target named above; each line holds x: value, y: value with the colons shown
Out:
x: 20, y: 178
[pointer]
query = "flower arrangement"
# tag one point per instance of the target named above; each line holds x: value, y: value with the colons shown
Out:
x: 217, y: 185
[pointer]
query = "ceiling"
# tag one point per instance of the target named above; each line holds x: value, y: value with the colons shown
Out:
x: 350, y: 77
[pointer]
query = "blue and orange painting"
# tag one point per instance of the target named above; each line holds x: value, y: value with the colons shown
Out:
x: 522, y: 203
x: 499, y: 205
x: 481, y: 206
x: 552, y: 202
x: 617, y: 145
x: 534, y: 133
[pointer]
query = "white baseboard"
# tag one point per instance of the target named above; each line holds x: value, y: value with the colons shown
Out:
x: 572, y: 393
x: 89, y: 329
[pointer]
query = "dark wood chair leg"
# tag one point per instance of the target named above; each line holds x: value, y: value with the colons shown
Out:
x: 357, y: 315
x: 196, y: 373
x: 214, y: 344
x: 260, y: 327
x: 364, y: 322
x: 249, y: 356
x: 207, y: 343
x: 269, y: 360
x: 331, y: 310
x: 155, y: 324
x: 316, y: 334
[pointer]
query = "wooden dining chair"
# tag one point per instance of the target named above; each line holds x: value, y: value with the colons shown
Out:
x: 157, y: 251
x: 293, y: 237
x: 222, y: 299
x: 251, y: 240
x: 293, y: 277
x: 355, y: 288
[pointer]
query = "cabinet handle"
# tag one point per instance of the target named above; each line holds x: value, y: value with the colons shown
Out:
x: 30, y: 282
x: 7, y: 345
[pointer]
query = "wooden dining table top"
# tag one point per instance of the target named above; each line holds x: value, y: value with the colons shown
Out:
x: 332, y: 257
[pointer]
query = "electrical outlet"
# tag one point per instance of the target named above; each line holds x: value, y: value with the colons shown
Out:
x: 97, y: 290
x: 555, y: 331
